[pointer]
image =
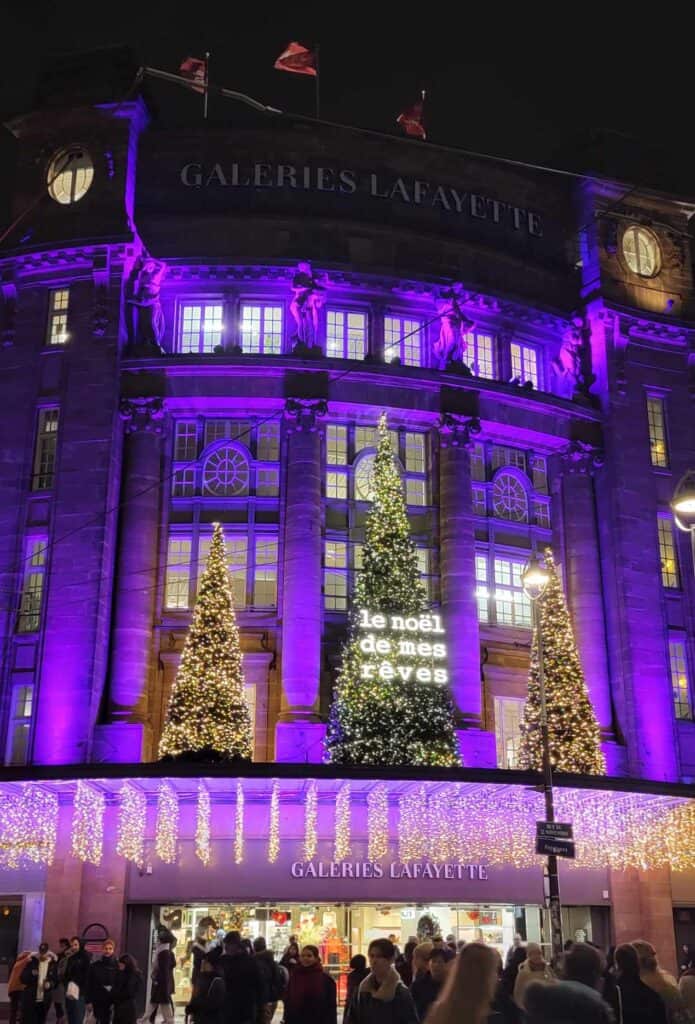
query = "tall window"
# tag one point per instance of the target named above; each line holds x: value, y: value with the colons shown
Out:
x: 251, y: 561
x: 261, y: 329
x: 403, y: 339
x: 508, y: 715
x: 335, y: 575
x: 201, y: 327
x: 346, y: 334
x: 178, y: 578
x: 524, y: 363
x: 265, y: 573
x: 45, y: 450
x: 679, y: 678
x: 186, y: 441
x: 415, y: 469
x: 505, y: 604
x: 29, y: 619
x: 670, y: 576
x: 480, y: 354
x: 336, y: 456
x: 657, y: 432
x: 18, y: 732
x: 237, y: 564
x: 57, y: 328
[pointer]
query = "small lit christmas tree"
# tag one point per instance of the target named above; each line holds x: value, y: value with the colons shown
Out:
x: 208, y: 717
x: 373, y: 721
x: 574, y: 734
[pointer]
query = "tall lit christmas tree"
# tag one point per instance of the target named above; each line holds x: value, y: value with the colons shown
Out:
x: 208, y: 717
x: 574, y: 733
x: 377, y: 721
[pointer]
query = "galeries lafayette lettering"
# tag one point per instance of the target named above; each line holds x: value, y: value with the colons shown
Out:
x: 396, y: 869
x: 345, y: 181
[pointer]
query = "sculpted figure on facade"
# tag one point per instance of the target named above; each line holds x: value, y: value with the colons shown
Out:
x: 571, y: 366
x: 148, y: 318
x: 309, y: 295
x: 450, y: 346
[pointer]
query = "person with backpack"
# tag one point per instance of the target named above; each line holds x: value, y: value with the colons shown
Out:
x: 208, y: 999
x: 273, y: 980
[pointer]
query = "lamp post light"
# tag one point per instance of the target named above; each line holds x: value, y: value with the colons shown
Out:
x: 534, y: 580
x: 683, y: 506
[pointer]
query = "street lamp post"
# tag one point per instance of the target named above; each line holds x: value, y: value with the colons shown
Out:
x: 683, y: 506
x: 535, y: 580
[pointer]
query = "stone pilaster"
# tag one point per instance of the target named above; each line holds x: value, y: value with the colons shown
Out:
x: 136, y: 567
x: 299, y: 732
x: 583, y: 574
x: 643, y: 909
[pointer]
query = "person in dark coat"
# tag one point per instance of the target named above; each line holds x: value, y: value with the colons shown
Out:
x: 163, y: 964
x: 404, y: 962
x: 272, y: 979
x: 208, y: 999
x: 75, y: 980
x: 631, y: 1000
x: 576, y: 999
x: 59, y: 990
x: 290, y: 958
x: 311, y: 993
x: 127, y: 986
x: 100, y: 982
x: 428, y: 986
x: 40, y: 977
x: 358, y: 972
x: 242, y: 982
x: 382, y: 997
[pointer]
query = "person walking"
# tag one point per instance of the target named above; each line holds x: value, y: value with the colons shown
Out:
x: 242, y: 982
x: 662, y: 983
x: 631, y: 1000
x: 382, y: 997
x: 272, y: 980
x: 427, y: 986
x: 75, y: 980
x: 15, y: 986
x: 358, y: 972
x: 575, y: 999
x: 100, y: 981
x: 290, y: 958
x: 207, y: 1002
x: 59, y: 990
x: 404, y: 962
x: 503, y: 1005
x: 469, y: 987
x: 39, y: 978
x: 533, y: 968
x: 127, y: 986
x: 311, y: 993
x: 163, y: 964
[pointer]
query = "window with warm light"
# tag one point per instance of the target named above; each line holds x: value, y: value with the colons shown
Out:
x: 479, y: 355
x: 508, y: 716
x: 679, y: 678
x: 670, y: 576
x: 261, y: 329
x: 30, y: 604
x: 336, y: 455
x: 19, y: 726
x: 70, y: 175
x: 641, y: 251
x: 657, y: 432
x: 499, y: 591
x: 335, y: 575
x: 524, y: 363
x: 45, y: 448
x: 57, y: 327
x: 265, y: 572
x: 403, y: 339
x: 346, y: 334
x: 201, y: 327
x: 178, y: 573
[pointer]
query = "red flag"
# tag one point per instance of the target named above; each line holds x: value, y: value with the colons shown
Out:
x: 196, y: 71
x: 411, y: 120
x: 298, y: 59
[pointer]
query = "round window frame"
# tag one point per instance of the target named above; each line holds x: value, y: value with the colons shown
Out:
x: 514, y: 474
x: 52, y: 178
x: 653, y: 237
x: 209, y: 454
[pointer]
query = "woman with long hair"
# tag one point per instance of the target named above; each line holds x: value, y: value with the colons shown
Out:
x: 469, y: 988
x: 126, y: 988
x: 311, y: 993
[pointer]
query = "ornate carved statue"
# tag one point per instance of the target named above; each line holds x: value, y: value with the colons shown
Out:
x: 148, y: 325
x: 567, y: 365
x: 451, y: 343
x: 309, y: 292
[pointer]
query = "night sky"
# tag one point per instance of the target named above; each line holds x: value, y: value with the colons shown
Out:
x: 520, y: 85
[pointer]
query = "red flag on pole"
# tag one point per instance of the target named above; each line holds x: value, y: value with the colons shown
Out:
x: 411, y: 120
x: 298, y: 59
x: 195, y: 70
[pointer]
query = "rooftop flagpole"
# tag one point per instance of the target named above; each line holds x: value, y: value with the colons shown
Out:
x: 206, y: 85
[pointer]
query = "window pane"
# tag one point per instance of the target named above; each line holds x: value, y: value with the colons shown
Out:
x: 227, y: 430
x: 512, y: 606
x: 201, y: 327
x: 335, y: 575
x: 178, y: 572
x: 29, y: 618
x: 509, y: 498
x: 226, y: 473
x: 186, y: 441
x: 45, y: 450
x: 415, y: 491
x: 479, y: 354
x: 183, y: 483
x: 57, y: 330
x: 478, y: 462
x: 265, y: 574
x: 508, y: 715
x: 18, y: 746
x: 479, y: 508
x: 524, y: 363
x: 481, y: 591
x: 364, y: 477
x: 267, y: 483
x: 336, y: 445
x: 402, y: 339
x: 261, y: 329
x: 679, y: 679
x: 542, y: 513
x: 269, y: 441
x: 414, y: 453
x: 667, y: 552
x: 657, y: 432
x: 539, y: 473
x: 336, y: 485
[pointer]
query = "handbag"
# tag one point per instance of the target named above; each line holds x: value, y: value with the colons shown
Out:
x: 72, y: 991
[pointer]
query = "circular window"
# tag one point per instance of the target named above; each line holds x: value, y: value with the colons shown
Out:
x: 641, y: 251
x: 226, y: 474
x: 69, y: 175
x: 509, y: 499
x: 364, y: 478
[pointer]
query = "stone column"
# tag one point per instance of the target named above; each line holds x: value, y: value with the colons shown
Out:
x: 63, y: 885
x: 299, y: 733
x: 643, y: 909
x: 583, y: 575
x: 136, y: 573
x: 459, y: 608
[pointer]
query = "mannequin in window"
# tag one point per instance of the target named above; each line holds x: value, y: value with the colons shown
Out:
x: 309, y: 291
x: 451, y: 343
x: 148, y: 326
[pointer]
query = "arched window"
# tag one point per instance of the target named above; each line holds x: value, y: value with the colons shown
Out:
x: 226, y: 473
x: 509, y: 498
x: 69, y: 176
x: 641, y: 251
x: 364, y: 477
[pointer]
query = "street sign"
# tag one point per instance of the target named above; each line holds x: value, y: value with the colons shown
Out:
x: 547, y: 845
x: 554, y: 830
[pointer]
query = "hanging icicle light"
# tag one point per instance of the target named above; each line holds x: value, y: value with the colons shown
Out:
x: 343, y: 847
x: 132, y: 816
x: 202, y: 830
x: 274, y: 830
x: 413, y: 838
x: 28, y: 827
x: 239, y: 824
x: 88, y: 824
x: 167, y: 827
x: 310, y: 816
x: 378, y: 822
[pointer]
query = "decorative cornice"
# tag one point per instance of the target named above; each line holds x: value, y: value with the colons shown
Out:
x: 457, y: 431
x: 581, y: 458
x: 142, y: 414
x: 302, y: 413
x: 63, y: 258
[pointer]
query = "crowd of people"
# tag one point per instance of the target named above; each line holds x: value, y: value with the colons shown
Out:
x: 236, y: 981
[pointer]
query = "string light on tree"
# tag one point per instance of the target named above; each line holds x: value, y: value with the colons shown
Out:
x: 274, y: 830
x: 310, y: 817
x: 167, y: 825
x: 208, y: 716
x: 239, y: 824
x: 202, y: 830
x: 343, y: 847
x: 28, y: 827
x: 378, y: 822
x: 132, y: 816
x: 88, y: 823
x: 574, y: 733
x: 391, y: 704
